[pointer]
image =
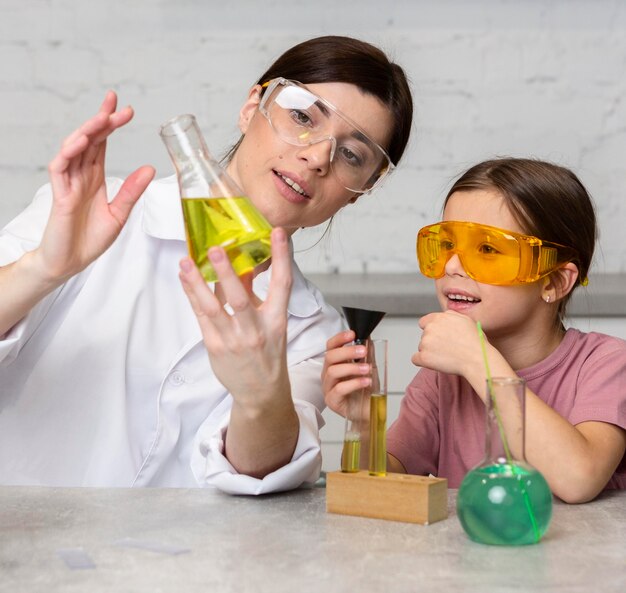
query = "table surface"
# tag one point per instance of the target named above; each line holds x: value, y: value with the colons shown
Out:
x: 287, y: 543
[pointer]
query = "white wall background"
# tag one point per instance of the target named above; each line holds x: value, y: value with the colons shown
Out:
x: 542, y: 78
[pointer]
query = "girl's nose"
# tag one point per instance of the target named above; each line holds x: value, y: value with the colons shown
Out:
x: 454, y: 267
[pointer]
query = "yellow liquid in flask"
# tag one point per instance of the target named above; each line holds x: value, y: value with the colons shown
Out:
x: 232, y: 223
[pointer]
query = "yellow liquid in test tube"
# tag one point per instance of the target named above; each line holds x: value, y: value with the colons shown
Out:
x: 378, y: 445
x: 351, y: 454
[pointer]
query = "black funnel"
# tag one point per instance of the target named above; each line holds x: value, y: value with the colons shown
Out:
x: 362, y: 321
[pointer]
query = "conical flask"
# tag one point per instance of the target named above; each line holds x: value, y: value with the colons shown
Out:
x: 358, y: 442
x: 504, y: 500
x: 215, y: 210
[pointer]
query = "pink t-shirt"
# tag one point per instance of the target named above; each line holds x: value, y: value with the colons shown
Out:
x: 441, y: 426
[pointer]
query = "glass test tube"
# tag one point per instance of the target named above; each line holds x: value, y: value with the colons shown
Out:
x: 377, y: 358
x: 355, y: 422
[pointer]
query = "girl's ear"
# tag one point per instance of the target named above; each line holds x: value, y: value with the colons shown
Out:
x: 249, y: 108
x: 560, y: 283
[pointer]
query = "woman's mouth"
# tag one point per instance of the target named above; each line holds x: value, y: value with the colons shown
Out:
x: 290, y: 188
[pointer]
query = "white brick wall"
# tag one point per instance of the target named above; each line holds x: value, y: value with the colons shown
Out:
x: 545, y: 78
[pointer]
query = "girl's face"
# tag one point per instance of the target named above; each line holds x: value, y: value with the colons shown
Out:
x: 266, y: 167
x: 502, y: 310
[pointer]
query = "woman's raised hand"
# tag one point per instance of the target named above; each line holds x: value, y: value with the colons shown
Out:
x: 248, y: 353
x: 341, y: 375
x: 248, y: 349
x: 83, y: 223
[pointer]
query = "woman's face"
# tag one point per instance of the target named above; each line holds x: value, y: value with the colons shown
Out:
x: 502, y: 310
x: 266, y: 167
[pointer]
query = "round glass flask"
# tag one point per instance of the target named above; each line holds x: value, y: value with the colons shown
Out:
x: 504, y: 500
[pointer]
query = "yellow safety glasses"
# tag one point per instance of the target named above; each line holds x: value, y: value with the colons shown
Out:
x: 488, y: 254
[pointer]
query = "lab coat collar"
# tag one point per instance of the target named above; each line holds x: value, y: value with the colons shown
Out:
x: 162, y: 213
x: 162, y: 218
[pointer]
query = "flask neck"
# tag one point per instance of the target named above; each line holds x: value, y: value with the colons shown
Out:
x: 199, y: 174
x: 183, y: 140
x: 505, y: 423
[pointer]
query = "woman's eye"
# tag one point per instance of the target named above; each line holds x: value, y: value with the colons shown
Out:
x: 350, y: 157
x: 300, y: 117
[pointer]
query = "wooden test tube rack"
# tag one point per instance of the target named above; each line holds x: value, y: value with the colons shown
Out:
x: 395, y: 497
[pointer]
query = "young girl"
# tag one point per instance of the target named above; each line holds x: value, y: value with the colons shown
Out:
x: 516, y: 239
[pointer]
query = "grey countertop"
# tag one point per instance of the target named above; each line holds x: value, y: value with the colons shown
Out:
x: 202, y: 540
x: 413, y: 294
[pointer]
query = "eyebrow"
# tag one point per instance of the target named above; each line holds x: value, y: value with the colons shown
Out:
x: 356, y: 134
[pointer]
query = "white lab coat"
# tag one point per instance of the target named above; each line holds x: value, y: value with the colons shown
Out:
x: 107, y: 381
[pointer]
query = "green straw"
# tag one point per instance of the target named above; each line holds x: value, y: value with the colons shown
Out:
x: 505, y: 443
x: 494, y: 403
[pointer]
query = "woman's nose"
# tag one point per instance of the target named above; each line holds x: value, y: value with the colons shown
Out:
x: 318, y: 155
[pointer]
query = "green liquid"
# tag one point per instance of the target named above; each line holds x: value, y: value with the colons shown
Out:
x: 504, y: 504
x: 378, y: 443
x: 233, y: 223
x: 351, y: 454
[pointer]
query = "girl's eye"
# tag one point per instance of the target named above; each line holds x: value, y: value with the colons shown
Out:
x: 487, y: 249
x: 447, y: 244
x: 301, y: 117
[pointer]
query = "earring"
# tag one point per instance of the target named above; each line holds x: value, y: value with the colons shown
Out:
x: 547, y: 299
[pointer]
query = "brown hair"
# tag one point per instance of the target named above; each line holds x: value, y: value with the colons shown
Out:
x: 547, y: 200
x: 335, y: 58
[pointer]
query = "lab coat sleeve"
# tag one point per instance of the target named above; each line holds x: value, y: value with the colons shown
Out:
x: 24, y: 234
x: 211, y: 467
x: 21, y: 235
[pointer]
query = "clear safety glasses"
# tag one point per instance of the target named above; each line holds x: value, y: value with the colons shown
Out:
x: 488, y: 254
x: 301, y: 118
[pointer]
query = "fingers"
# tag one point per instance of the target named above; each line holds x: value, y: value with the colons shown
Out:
x: 97, y: 128
x: 426, y: 319
x: 281, y: 281
x: 106, y: 115
x: 132, y: 188
x: 203, y: 302
x: 215, y: 322
x: 98, y: 134
x: 337, y: 396
x: 354, y: 373
x: 233, y: 289
x: 341, y: 339
x: 416, y: 359
x: 341, y: 375
x: 60, y: 164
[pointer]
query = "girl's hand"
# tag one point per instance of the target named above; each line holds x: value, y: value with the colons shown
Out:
x: 450, y: 343
x: 82, y: 223
x: 341, y: 375
x: 248, y: 348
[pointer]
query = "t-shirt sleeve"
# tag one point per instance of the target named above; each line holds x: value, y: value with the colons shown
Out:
x: 601, y: 388
x: 413, y: 439
x: 601, y: 393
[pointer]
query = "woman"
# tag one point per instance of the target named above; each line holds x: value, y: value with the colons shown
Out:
x: 104, y: 377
